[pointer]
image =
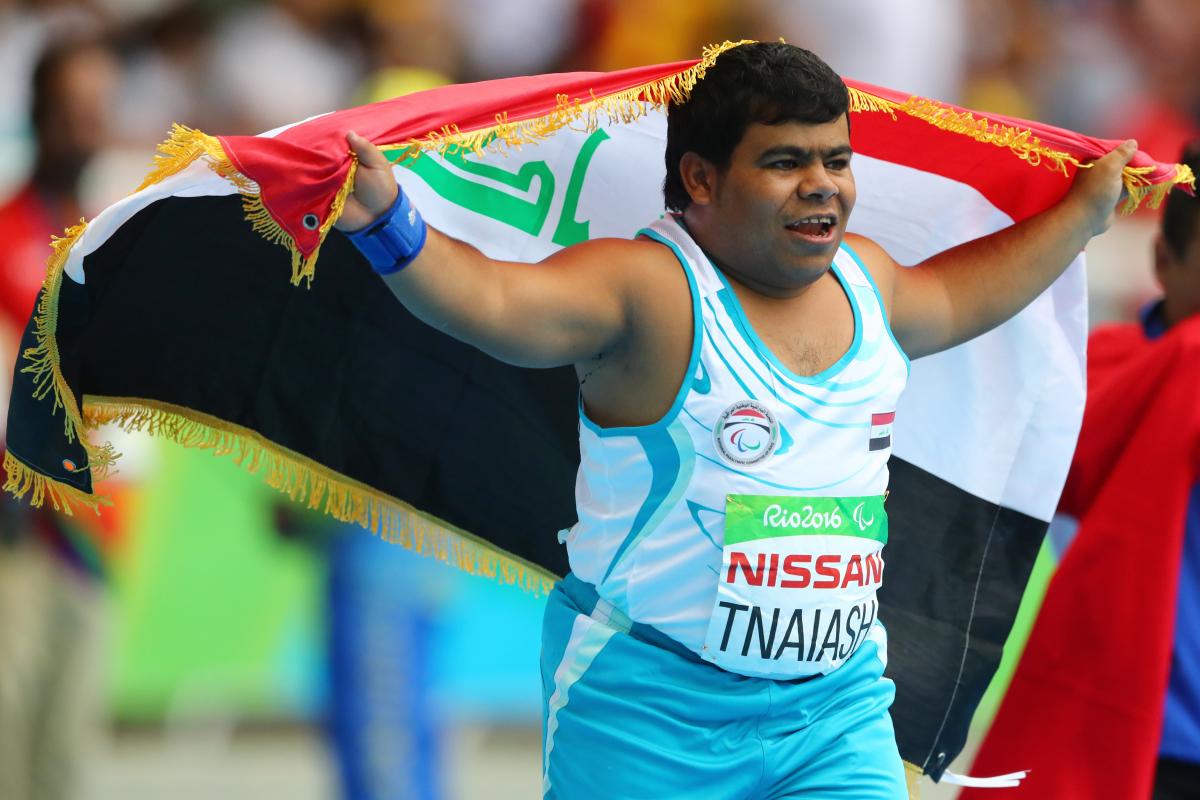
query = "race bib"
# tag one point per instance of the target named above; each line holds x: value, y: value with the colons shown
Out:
x: 796, y: 595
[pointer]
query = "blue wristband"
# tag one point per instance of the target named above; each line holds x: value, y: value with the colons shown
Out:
x: 391, y: 242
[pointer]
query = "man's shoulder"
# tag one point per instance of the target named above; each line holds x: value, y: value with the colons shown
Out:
x: 875, y: 261
x: 614, y: 254
x: 867, y: 250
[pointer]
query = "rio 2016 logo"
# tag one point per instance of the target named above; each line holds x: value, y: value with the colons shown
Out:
x: 746, y: 433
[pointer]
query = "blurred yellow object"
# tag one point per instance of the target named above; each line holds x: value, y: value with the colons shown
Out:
x: 998, y: 94
x: 657, y: 31
x: 392, y: 82
x: 912, y: 779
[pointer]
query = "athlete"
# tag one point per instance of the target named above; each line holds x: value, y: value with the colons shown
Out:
x: 739, y: 364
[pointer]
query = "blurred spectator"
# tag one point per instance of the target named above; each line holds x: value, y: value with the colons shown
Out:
x: 281, y: 62
x: 411, y: 45
x: 1008, y: 41
x: 1177, y: 266
x: 917, y: 46
x: 382, y: 610
x: 73, y: 87
x: 500, y: 40
x: 25, y: 27
x: 1163, y: 34
x: 1082, y: 72
x: 50, y: 609
x: 163, y: 76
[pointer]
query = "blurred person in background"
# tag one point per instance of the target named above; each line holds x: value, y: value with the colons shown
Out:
x: 1177, y: 267
x: 1009, y: 46
x: 165, y: 54
x: 277, y: 62
x: 500, y: 40
x: 1163, y: 36
x: 50, y: 609
x: 25, y: 28
x: 917, y: 46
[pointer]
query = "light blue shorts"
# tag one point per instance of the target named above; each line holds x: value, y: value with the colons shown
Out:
x: 629, y: 713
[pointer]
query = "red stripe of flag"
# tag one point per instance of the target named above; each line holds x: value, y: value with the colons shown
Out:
x: 883, y: 419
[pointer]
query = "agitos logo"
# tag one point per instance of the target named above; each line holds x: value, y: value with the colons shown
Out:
x: 746, y: 433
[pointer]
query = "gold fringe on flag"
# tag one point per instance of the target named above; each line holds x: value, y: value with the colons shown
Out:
x: 317, y: 487
x: 43, y: 366
x: 1021, y: 142
x: 912, y: 780
x: 183, y: 146
x: 22, y: 480
x: 625, y: 106
x: 1138, y: 187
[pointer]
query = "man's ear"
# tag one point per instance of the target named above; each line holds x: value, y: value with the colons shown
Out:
x: 699, y: 177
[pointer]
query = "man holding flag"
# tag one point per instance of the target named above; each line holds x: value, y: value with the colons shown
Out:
x: 739, y: 363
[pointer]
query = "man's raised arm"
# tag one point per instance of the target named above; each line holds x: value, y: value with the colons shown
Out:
x: 967, y: 290
x: 569, y: 308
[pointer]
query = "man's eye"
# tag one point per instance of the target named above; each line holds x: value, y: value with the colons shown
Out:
x: 838, y: 164
x: 786, y: 163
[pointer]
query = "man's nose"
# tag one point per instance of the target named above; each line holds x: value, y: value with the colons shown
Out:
x: 816, y: 184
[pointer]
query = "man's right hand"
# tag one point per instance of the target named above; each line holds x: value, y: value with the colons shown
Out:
x: 374, y: 186
x: 1098, y: 189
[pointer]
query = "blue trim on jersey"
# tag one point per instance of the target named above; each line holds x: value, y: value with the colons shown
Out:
x: 782, y: 378
x: 725, y: 361
x: 703, y: 425
x: 786, y: 440
x: 672, y: 459
x: 685, y: 385
x: 702, y: 384
x: 694, y: 509
x: 771, y: 388
x: 843, y: 386
x: 747, y: 330
x: 887, y: 323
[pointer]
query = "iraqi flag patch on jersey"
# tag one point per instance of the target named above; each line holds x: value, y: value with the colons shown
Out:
x: 881, y: 430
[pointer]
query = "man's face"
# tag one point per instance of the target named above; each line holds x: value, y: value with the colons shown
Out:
x: 780, y: 207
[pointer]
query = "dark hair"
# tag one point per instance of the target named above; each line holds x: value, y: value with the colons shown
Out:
x: 767, y: 82
x: 1182, y: 211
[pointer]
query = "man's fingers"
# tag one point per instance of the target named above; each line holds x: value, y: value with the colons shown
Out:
x: 368, y: 154
x: 1123, y: 153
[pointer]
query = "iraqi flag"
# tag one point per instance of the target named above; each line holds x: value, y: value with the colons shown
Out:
x: 197, y: 310
x: 881, y: 430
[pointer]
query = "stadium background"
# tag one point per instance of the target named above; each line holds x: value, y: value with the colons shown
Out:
x: 210, y: 655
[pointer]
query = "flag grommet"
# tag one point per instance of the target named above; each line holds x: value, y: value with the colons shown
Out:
x: 310, y: 222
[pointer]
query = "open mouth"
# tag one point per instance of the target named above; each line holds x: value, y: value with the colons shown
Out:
x: 817, y: 228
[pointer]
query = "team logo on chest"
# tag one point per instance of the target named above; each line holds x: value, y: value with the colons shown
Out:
x: 746, y: 433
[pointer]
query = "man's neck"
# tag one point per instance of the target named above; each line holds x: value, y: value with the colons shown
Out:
x: 1175, y: 311
x: 736, y: 276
